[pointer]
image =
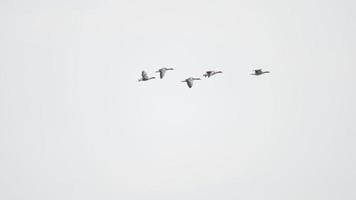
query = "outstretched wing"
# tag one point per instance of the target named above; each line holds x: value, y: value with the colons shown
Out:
x: 144, y: 75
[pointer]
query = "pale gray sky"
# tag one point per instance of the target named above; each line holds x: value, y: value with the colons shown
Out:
x: 76, y: 124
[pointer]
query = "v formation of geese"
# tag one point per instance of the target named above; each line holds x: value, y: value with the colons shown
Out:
x: 190, y: 80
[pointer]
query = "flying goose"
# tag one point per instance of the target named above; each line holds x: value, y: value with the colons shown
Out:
x: 190, y: 81
x: 145, y: 77
x: 162, y: 71
x: 258, y: 72
x: 211, y: 73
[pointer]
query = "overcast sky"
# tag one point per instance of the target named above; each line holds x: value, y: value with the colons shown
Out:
x: 76, y: 124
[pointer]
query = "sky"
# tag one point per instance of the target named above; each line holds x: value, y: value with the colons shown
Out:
x: 76, y: 124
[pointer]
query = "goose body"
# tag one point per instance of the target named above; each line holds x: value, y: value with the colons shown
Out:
x: 162, y: 71
x: 258, y: 72
x: 145, y: 77
x: 211, y: 73
x: 190, y: 81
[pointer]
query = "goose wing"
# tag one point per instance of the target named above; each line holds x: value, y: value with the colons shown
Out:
x: 258, y: 71
x: 210, y: 73
x: 144, y: 75
x: 190, y: 83
x: 162, y: 73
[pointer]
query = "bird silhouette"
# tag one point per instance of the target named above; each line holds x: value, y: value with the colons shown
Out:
x: 145, y: 77
x: 162, y: 71
x: 208, y: 74
x: 190, y: 81
x: 258, y: 72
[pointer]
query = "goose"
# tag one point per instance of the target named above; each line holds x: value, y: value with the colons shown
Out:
x: 211, y: 73
x: 258, y: 72
x: 145, y: 77
x: 162, y: 71
x: 190, y: 81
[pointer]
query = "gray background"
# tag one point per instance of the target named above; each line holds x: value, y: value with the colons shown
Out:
x: 76, y: 124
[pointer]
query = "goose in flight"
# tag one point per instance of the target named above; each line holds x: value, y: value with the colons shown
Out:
x: 162, y: 71
x: 190, y: 81
x: 211, y: 73
x: 145, y: 77
x: 258, y: 72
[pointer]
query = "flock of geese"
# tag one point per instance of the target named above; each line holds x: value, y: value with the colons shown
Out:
x: 190, y: 80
